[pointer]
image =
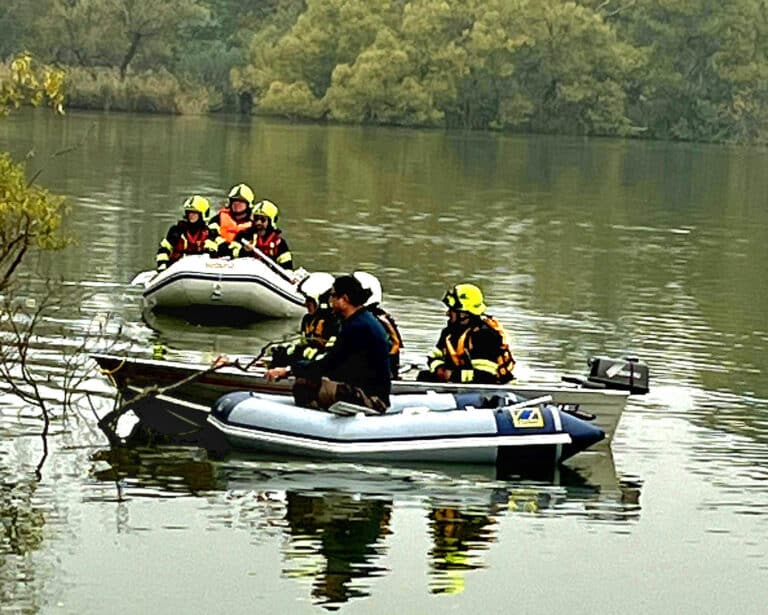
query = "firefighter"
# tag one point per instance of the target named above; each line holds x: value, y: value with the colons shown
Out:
x: 356, y: 369
x: 319, y: 326
x: 188, y: 235
x: 264, y: 236
x: 233, y: 218
x: 371, y: 283
x: 473, y: 347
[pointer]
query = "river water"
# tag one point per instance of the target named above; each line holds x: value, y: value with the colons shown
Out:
x: 582, y: 247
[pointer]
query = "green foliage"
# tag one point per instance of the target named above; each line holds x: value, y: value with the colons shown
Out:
x: 24, y: 81
x: 707, y: 68
x: 116, y: 33
x: 30, y: 217
x: 148, y: 91
x: 291, y: 100
x: 682, y: 69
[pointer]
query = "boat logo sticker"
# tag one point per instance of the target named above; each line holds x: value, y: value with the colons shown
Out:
x: 528, y: 417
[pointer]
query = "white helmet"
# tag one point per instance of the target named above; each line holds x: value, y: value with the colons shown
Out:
x: 369, y: 282
x: 316, y: 285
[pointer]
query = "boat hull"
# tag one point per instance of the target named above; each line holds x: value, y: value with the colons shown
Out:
x: 420, y: 429
x: 192, y: 400
x: 244, y: 285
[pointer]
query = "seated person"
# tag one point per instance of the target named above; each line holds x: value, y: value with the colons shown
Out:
x: 371, y: 283
x: 319, y: 326
x: 187, y: 236
x: 264, y: 236
x: 473, y: 346
x: 231, y: 219
x: 356, y: 368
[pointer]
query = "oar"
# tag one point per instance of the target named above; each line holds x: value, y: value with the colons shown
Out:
x: 141, y: 279
x: 269, y: 262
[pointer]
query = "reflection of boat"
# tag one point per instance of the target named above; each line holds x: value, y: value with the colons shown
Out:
x: 187, y: 405
x: 203, y: 285
x: 234, y: 337
x: 335, y: 523
x: 454, y: 428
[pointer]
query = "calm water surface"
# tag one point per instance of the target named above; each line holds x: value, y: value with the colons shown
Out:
x: 582, y: 247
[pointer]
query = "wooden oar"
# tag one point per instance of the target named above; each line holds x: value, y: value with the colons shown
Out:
x: 269, y: 262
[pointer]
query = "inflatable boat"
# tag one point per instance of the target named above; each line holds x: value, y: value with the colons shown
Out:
x: 507, y: 431
x: 195, y: 387
x: 205, y: 285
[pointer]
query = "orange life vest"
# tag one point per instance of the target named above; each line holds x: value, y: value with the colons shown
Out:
x: 229, y: 227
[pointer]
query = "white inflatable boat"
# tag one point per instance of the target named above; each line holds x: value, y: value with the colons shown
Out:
x: 507, y: 431
x: 209, y: 285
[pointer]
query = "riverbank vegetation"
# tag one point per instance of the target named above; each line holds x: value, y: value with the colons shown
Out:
x: 668, y: 69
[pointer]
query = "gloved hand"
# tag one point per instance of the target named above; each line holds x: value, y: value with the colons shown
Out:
x: 279, y: 357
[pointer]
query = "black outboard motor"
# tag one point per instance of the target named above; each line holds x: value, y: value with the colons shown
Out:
x: 627, y: 374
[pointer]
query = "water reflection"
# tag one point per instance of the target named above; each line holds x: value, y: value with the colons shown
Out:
x: 334, y: 522
x: 22, y: 523
x: 178, y: 338
x: 337, y: 541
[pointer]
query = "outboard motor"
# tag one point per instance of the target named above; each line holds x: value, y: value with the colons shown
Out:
x: 627, y: 374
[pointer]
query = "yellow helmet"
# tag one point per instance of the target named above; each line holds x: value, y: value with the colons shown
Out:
x: 268, y: 209
x: 465, y: 298
x: 241, y: 192
x: 198, y: 204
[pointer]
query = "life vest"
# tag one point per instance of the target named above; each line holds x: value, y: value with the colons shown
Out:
x: 229, y: 227
x: 458, y: 353
x: 505, y: 360
x: 269, y: 244
x: 313, y: 332
x: 189, y: 242
x: 395, y: 340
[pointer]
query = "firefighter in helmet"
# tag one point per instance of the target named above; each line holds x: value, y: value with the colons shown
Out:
x: 233, y: 218
x: 263, y: 237
x: 188, y: 235
x: 473, y: 347
x: 319, y: 326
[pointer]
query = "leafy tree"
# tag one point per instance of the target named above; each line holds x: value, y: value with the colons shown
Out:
x: 573, y: 68
x: 380, y: 87
x: 29, y: 215
x: 116, y: 33
x: 707, y: 68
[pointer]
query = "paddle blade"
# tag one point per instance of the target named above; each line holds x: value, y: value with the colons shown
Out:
x: 143, y: 278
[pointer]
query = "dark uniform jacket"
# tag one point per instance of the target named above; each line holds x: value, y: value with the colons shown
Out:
x: 475, y: 352
x: 359, y: 357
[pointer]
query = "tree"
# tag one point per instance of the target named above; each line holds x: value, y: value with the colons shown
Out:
x: 707, y: 74
x: 116, y: 33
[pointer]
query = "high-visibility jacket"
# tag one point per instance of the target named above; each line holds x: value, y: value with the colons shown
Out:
x: 181, y: 239
x: 476, y: 352
x: 272, y: 244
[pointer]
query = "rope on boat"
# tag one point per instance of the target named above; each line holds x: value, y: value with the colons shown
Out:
x: 110, y: 373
